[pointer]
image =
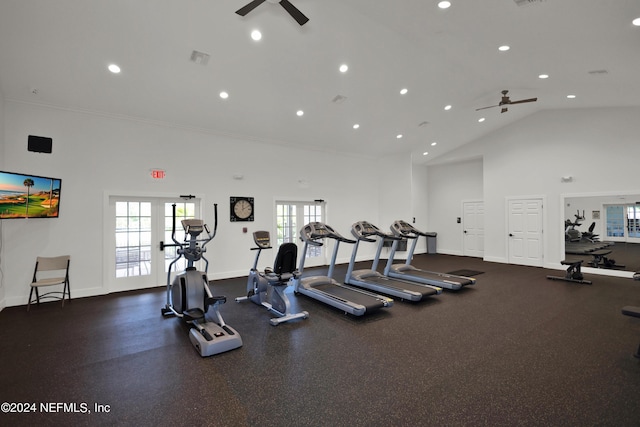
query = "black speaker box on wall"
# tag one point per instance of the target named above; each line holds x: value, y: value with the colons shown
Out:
x: 39, y: 144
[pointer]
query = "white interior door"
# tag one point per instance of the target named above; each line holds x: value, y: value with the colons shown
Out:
x: 290, y: 218
x: 473, y: 229
x: 525, y: 232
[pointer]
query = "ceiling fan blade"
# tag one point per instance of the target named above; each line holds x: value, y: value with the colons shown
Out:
x: 484, y: 108
x: 522, y: 101
x: 294, y: 12
x: 249, y: 7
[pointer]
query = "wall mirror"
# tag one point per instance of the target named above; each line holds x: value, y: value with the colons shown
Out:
x: 604, y: 231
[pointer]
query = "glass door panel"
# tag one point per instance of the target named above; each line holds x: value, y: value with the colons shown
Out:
x: 290, y: 218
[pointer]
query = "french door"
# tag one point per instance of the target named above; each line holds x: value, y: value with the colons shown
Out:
x: 290, y: 218
x: 137, y: 226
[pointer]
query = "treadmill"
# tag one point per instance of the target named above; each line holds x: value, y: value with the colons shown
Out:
x: 327, y: 290
x: 372, y: 279
x: 407, y: 271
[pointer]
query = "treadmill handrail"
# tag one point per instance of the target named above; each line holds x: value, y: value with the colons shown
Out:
x: 403, y: 228
x: 362, y: 230
x: 315, y: 231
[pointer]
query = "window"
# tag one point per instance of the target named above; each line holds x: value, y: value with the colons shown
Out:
x: 633, y: 221
x: 286, y: 223
x: 292, y: 216
x: 133, y: 239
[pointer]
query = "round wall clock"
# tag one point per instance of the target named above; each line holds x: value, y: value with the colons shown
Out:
x: 241, y: 209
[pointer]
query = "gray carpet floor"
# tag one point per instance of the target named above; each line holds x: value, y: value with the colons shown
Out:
x: 513, y: 350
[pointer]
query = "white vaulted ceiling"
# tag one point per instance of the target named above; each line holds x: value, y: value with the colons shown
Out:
x: 57, y: 53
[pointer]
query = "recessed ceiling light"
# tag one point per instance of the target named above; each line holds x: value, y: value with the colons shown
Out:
x: 256, y: 35
x: 433, y: 144
x: 399, y: 136
x: 403, y: 91
x: 344, y: 68
x: 543, y: 76
x: 444, y: 4
x: 504, y: 48
x: 224, y: 95
x: 447, y: 107
x: 114, y: 68
x: 571, y: 96
x: 300, y: 113
x: 425, y: 153
x: 481, y: 119
x: 636, y: 22
x: 356, y: 126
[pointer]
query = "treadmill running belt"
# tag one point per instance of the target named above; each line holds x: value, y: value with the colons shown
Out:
x: 350, y: 295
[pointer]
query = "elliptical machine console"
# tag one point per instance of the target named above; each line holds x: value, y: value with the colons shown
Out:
x: 268, y: 288
x: 189, y: 296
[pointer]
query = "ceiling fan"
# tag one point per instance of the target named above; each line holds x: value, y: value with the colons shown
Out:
x: 293, y: 11
x: 506, y: 101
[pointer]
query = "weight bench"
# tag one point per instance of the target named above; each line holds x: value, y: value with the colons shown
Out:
x: 600, y: 258
x: 573, y: 274
x: 633, y: 312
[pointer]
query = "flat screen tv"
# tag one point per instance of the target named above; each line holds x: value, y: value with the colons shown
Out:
x: 29, y: 196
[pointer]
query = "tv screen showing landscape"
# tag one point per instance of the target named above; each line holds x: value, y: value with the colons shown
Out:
x: 28, y: 196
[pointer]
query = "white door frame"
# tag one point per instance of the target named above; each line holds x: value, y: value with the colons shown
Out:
x: 108, y: 279
x: 325, y: 249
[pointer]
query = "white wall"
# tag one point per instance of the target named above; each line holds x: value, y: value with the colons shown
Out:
x: 598, y: 147
x: 95, y: 154
x: 448, y: 186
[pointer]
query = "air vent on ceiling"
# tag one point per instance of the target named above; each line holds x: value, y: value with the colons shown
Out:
x: 527, y: 2
x: 598, y: 72
x: 199, y: 57
x: 339, y: 99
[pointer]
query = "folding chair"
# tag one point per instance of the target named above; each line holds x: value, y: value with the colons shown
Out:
x: 44, y: 275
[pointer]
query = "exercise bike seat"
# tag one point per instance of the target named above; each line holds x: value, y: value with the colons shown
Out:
x: 284, y: 267
x: 279, y: 279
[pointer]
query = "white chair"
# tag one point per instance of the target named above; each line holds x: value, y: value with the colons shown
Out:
x: 47, y: 273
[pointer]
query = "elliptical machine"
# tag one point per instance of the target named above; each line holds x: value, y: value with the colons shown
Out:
x: 189, y: 296
x: 268, y: 288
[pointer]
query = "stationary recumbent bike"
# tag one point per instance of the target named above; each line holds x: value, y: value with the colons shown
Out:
x: 189, y: 296
x: 268, y: 288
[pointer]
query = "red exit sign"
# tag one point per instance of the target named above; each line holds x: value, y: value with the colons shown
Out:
x: 157, y: 174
